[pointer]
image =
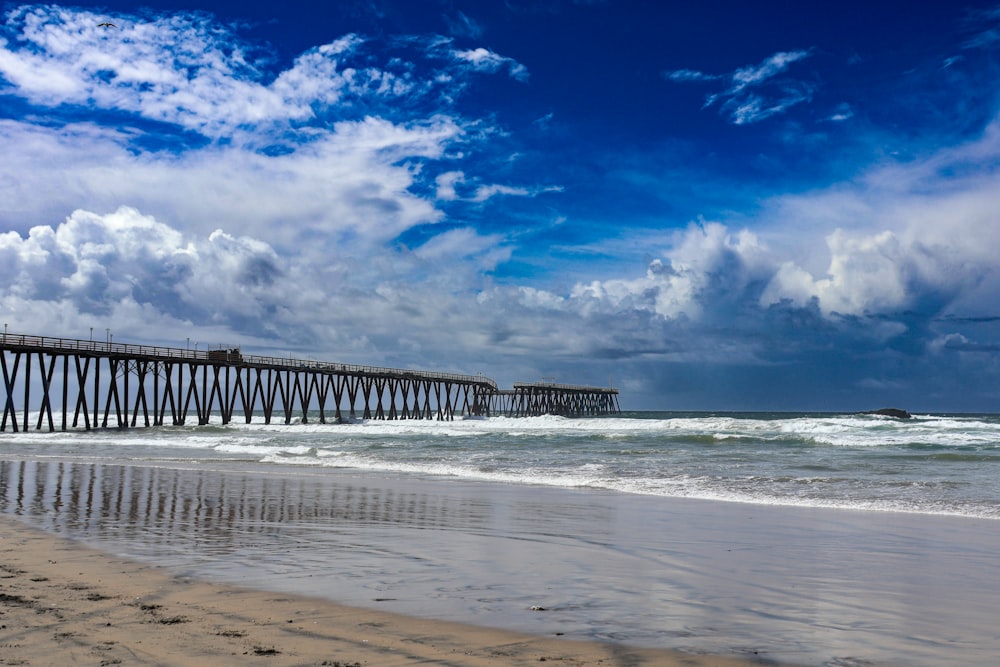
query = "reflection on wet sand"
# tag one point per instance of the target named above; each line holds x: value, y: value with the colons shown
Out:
x: 209, y: 507
x: 357, y: 540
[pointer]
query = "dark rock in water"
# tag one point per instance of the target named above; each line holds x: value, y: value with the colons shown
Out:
x: 890, y: 412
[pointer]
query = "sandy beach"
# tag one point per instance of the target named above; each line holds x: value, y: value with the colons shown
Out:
x: 62, y: 603
x: 226, y: 562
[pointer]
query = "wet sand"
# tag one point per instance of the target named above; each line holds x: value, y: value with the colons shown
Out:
x: 595, y: 572
x: 62, y: 603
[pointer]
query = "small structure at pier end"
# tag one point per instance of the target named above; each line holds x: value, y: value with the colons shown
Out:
x: 92, y: 384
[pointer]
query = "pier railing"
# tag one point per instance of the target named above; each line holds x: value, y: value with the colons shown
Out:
x: 548, y: 386
x: 209, y: 355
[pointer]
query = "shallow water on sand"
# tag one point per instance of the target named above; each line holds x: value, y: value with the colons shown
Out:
x: 803, y: 585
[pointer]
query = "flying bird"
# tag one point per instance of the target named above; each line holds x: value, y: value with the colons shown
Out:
x: 106, y: 25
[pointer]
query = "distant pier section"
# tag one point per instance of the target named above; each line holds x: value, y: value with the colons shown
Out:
x: 62, y: 383
x: 545, y: 398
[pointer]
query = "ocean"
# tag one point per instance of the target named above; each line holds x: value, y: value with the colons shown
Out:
x: 811, y: 538
x: 931, y: 464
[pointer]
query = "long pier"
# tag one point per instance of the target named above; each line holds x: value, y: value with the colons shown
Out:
x: 93, y: 384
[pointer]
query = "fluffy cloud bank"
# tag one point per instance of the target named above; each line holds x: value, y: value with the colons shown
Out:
x: 135, y: 275
x: 717, y: 297
x: 96, y: 266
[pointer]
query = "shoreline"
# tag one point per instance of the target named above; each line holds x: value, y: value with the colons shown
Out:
x: 66, y: 603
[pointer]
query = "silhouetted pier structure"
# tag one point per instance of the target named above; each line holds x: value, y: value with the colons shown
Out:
x: 92, y: 384
x: 540, y: 398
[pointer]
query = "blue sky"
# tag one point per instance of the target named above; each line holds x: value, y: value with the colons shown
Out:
x: 718, y: 206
